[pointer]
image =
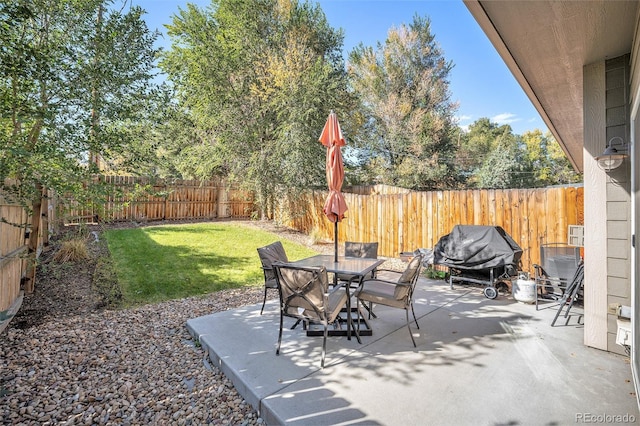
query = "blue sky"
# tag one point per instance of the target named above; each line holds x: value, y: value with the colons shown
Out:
x: 480, y: 81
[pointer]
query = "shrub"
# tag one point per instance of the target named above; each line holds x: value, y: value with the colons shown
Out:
x: 72, y: 251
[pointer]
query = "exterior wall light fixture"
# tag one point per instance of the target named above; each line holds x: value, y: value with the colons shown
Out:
x: 612, y: 157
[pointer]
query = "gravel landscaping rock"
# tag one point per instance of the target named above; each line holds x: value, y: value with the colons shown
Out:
x: 66, y: 359
x: 134, y: 366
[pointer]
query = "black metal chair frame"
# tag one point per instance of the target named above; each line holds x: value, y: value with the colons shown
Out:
x: 552, y: 287
x: 408, y: 298
x: 571, y: 294
x: 360, y: 249
x: 300, y: 293
x: 272, y: 251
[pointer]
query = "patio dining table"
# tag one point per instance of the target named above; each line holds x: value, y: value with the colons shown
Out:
x: 358, y: 267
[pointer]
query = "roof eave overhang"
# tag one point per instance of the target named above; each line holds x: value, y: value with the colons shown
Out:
x: 482, y: 18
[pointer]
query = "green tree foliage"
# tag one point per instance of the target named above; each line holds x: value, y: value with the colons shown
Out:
x: 549, y: 163
x: 73, y: 76
x: 407, y: 131
x: 257, y: 79
x: 477, y: 143
x: 503, y: 166
x: 492, y: 156
x: 488, y: 156
x: 151, y: 136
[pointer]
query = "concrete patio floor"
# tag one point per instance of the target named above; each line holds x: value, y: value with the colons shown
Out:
x: 478, y: 362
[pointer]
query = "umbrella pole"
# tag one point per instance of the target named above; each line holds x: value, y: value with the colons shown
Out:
x: 335, y: 241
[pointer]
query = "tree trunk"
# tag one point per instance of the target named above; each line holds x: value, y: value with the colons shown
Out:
x: 94, y: 155
x: 44, y: 214
x: 32, y: 251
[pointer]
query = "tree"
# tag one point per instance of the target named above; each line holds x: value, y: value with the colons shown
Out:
x: 549, y: 162
x: 502, y: 168
x: 258, y: 80
x: 152, y: 137
x: 406, y: 113
x: 491, y: 156
x: 73, y: 74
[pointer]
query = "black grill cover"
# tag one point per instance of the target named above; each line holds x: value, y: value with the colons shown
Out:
x: 478, y: 248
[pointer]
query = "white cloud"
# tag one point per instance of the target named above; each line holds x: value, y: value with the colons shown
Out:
x: 505, y: 118
x: 462, y: 118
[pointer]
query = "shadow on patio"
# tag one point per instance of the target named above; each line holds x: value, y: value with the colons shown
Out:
x: 478, y: 362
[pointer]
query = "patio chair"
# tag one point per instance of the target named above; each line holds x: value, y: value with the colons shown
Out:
x: 269, y: 254
x: 395, y: 294
x: 572, y: 293
x: 359, y: 249
x: 304, y: 295
x: 558, y: 264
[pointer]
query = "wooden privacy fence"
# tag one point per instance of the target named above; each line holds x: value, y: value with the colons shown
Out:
x: 141, y: 199
x: 407, y: 221
x: 13, y: 250
x: 16, y: 269
x: 400, y: 220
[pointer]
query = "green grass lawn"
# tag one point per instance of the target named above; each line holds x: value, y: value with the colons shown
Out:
x: 174, y: 261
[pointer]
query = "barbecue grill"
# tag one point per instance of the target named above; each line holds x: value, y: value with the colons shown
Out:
x: 479, y: 254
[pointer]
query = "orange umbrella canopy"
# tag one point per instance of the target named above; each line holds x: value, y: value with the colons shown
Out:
x: 335, y: 206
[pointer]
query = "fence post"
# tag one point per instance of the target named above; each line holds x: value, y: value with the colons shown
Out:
x: 165, y: 207
x: 44, y: 215
x: 34, y: 234
x: 401, y: 200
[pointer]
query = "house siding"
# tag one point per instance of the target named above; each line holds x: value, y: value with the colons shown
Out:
x: 618, y: 190
x: 635, y: 224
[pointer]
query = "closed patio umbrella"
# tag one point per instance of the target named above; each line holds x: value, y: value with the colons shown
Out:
x: 335, y: 206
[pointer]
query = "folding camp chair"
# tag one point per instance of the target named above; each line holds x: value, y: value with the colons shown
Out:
x: 571, y: 294
x: 558, y: 264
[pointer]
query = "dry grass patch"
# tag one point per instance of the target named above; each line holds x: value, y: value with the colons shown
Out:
x: 72, y: 251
